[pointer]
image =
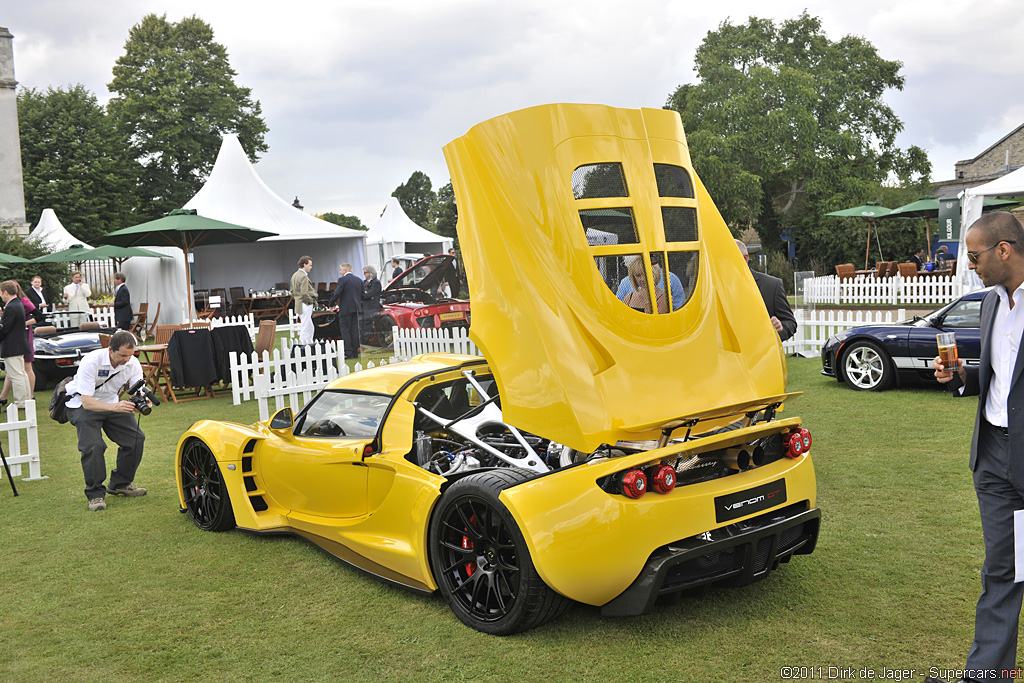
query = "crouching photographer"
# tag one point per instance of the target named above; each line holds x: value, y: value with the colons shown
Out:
x: 93, y: 407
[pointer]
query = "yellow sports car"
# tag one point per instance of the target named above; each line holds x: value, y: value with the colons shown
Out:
x: 622, y: 441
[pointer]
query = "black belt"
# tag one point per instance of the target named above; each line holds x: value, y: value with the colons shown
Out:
x: 1002, y: 430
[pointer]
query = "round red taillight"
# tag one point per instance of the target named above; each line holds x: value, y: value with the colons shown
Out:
x: 794, y: 445
x: 806, y: 436
x: 662, y: 478
x: 634, y: 484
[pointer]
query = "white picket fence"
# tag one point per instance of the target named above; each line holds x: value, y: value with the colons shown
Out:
x: 16, y: 456
x: 892, y: 291
x: 815, y: 327
x: 414, y: 341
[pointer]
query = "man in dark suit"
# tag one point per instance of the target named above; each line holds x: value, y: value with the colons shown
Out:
x: 774, y: 295
x: 14, y: 341
x: 995, y: 248
x: 348, y: 295
x: 38, y: 295
x: 122, y: 303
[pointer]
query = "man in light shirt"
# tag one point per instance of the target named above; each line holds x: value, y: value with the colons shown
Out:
x: 94, y: 407
x: 77, y: 297
x: 995, y: 249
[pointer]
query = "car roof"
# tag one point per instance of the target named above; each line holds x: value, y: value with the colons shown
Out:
x: 391, y: 378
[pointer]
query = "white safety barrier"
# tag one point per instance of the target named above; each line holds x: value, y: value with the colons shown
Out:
x: 867, y: 289
x: 415, y: 341
x: 815, y: 327
x: 16, y: 456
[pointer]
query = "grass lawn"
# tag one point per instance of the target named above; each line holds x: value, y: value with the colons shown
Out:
x: 138, y: 593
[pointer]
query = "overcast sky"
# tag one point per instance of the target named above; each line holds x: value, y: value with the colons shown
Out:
x: 358, y: 95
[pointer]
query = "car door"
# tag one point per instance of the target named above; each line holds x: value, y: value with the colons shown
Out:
x: 318, y: 469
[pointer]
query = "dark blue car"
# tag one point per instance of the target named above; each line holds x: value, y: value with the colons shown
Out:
x: 875, y: 357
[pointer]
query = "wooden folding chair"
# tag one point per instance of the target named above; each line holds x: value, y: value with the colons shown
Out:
x: 140, y: 319
x: 908, y: 270
x: 846, y: 271
x: 149, y: 329
x: 265, y: 338
x: 237, y: 305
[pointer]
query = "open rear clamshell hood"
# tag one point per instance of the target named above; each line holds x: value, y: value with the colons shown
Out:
x: 568, y: 216
x: 425, y: 274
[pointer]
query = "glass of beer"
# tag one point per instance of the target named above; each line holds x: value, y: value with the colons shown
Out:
x: 947, y: 350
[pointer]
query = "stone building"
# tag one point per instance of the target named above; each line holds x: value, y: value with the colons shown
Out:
x: 12, y: 190
x: 1004, y: 156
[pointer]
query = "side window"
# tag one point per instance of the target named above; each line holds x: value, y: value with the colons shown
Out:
x: 344, y: 415
x: 966, y: 314
x: 673, y: 181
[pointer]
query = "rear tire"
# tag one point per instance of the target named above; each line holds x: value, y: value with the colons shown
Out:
x: 866, y: 367
x: 386, y: 331
x: 481, y: 562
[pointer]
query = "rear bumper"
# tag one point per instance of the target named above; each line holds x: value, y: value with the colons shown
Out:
x: 735, y: 556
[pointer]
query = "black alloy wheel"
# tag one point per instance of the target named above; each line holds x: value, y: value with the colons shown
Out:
x: 481, y: 562
x: 203, y: 488
x: 386, y: 330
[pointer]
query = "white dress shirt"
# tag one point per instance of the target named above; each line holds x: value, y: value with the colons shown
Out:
x: 1007, y: 327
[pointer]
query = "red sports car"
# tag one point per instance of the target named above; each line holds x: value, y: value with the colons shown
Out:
x: 419, y: 298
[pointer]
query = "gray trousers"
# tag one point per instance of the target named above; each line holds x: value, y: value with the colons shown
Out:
x: 122, y: 429
x: 998, y: 612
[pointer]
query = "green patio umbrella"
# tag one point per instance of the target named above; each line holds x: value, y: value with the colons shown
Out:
x: 928, y: 208
x: 186, y: 230
x: 870, y: 212
x: 83, y: 252
x: 11, y: 258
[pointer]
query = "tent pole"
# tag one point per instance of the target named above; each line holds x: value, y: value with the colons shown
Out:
x: 867, y: 250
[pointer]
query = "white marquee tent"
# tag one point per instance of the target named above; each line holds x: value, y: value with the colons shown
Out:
x: 236, y: 194
x: 971, y: 200
x: 395, y: 233
x: 50, y: 233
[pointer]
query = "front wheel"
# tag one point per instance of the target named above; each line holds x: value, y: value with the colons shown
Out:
x: 867, y: 367
x: 481, y: 562
x: 204, y: 490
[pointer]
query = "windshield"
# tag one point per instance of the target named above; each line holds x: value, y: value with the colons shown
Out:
x: 962, y: 313
x: 343, y: 414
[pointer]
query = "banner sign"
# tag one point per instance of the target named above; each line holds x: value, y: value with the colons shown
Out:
x: 949, y: 220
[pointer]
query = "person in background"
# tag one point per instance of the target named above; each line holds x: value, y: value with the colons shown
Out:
x: 14, y: 341
x: 943, y: 257
x: 370, y: 302
x: 917, y: 258
x: 122, y: 303
x: 304, y: 294
x: 397, y: 265
x: 348, y: 296
x: 40, y: 298
x: 625, y: 287
x: 77, y: 297
x: 454, y: 275
x: 31, y: 320
x: 773, y: 293
x: 94, y: 408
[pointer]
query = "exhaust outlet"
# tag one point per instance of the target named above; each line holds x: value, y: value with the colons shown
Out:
x: 757, y: 456
x: 737, y: 458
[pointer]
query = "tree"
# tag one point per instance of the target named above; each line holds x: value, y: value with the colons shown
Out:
x: 444, y: 214
x: 416, y: 197
x: 174, y: 97
x: 73, y: 162
x: 786, y: 125
x: 343, y: 220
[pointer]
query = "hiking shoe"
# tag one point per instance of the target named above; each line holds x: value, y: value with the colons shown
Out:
x: 131, y: 490
x: 97, y: 504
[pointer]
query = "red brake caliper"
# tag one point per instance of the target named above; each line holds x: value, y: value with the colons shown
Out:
x: 468, y: 545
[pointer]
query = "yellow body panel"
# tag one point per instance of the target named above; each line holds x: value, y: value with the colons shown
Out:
x: 571, y: 361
